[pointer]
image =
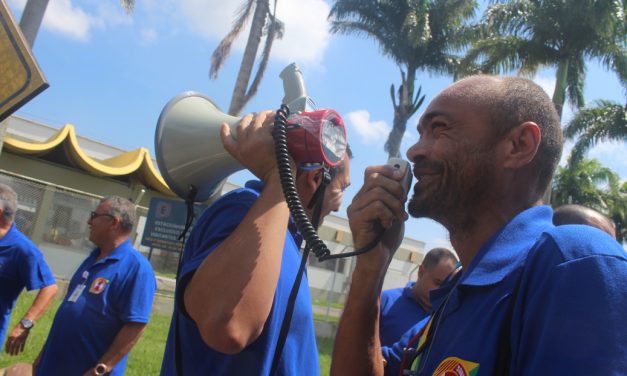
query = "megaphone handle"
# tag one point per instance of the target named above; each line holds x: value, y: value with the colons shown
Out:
x: 294, y: 88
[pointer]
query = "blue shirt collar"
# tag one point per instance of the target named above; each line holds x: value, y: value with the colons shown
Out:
x: 256, y: 185
x: 9, y: 237
x: 408, y: 292
x: 499, y: 255
x: 116, y: 254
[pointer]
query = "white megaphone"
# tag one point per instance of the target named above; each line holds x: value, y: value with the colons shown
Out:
x: 189, y: 149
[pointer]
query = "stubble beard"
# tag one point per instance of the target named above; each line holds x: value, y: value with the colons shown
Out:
x: 459, y: 192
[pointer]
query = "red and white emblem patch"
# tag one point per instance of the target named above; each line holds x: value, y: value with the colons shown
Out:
x: 98, y: 285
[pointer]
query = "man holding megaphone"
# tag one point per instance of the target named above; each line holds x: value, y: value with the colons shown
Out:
x: 239, y: 265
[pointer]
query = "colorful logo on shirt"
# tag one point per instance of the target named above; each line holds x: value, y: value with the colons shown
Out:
x: 454, y: 366
x: 98, y: 285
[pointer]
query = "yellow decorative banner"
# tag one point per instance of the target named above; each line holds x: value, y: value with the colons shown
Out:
x: 20, y: 76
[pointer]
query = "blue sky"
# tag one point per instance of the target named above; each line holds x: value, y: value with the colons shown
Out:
x: 110, y: 75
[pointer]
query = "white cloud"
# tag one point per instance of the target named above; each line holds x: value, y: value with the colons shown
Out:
x: 305, y: 38
x: 370, y: 132
x: 64, y: 18
x: 210, y: 19
x: 67, y: 18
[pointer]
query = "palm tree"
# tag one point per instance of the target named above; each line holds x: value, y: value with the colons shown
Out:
x: 416, y: 35
x: 606, y: 120
x: 263, y: 22
x: 527, y: 34
x: 618, y: 211
x: 587, y: 183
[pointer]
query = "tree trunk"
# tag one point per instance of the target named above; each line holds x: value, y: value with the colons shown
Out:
x: 559, y: 94
x: 402, y: 113
x: 31, y: 19
x: 396, y: 135
x: 248, y: 60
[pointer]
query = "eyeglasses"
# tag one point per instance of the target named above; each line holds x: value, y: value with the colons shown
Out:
x: 93, y: 215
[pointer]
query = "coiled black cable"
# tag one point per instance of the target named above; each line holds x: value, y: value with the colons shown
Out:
x: 306, y: 229
x: 313, y: 243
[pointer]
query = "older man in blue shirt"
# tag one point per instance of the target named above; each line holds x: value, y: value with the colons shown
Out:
x: 108, y: 302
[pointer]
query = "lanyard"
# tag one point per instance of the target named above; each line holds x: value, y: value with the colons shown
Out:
x: 412, y: 356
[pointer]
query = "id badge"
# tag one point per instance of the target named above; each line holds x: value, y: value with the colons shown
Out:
x: 76, y: 293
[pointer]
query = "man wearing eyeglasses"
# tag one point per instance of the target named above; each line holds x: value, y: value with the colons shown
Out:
x: 108, y: 302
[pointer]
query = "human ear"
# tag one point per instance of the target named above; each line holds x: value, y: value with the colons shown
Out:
x: 317, y: 177
x: 421, y: 271
x: 522, y: 145
x: 309, y: 179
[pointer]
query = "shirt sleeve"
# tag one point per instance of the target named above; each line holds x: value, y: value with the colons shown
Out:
x: 35, y: 271
x: 138, y: 294
x: 209, y: 232
x: 573, y: 314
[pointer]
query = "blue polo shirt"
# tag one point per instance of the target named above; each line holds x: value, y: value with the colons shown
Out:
x: 22, y: 265
x: 567, y: 314
x: 400, y: 310
x: 118, y: 289
x: 300, y: 354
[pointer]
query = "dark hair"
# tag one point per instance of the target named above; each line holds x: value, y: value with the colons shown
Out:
x: 8, y: 201
x: 123, y: 209
x: 435, y: 256
x: 335, y: 170
x: 519, y: 100
x: 577, y: 215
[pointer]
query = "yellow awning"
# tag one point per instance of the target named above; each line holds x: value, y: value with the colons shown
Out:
x: 135, y: 162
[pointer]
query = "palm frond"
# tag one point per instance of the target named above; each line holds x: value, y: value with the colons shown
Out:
x: 504, y: 54
x: 128, y: 5
x: 219, y: 55
x: 606, y: 121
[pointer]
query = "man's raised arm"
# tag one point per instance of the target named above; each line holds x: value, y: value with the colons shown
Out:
x: 378, y: 206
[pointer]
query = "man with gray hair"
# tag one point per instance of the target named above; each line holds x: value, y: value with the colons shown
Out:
x: 22, y: 265
x: 108, y: 302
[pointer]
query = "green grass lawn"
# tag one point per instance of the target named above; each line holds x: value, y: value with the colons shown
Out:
x: 146, y: 356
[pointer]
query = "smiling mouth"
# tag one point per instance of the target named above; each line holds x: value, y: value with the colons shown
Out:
x: 423, y: 180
